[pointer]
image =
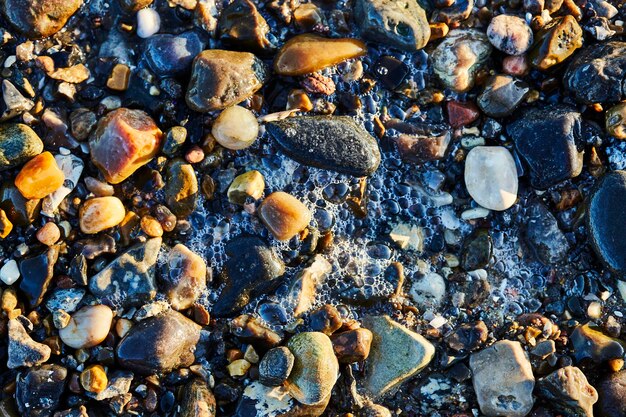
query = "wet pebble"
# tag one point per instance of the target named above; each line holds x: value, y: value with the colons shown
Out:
x: 568, y: 391
x: 23, y: 350
x: 544, y: 235
x: 612, y: 391
x: 39, y: 177
x: 353, y: 345
x: 38, y: 390
x: 491, y: 177
x: 181, y: 188
x: 275, y: 366
x: 556, y: 42
x: 502, y: 95
x: 40, y: 18
x: 198, y: 400
x: 235, y: 128
x: 591, y: 342
x: 100, y: 213
x: 88, y: 327
x: 184, y: 278
x: 18, y: 144
x: 170, y: 55
x: 510, y: 34
x: 284, y: 215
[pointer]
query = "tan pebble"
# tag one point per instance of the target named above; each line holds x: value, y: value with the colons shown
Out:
x: 49, y: 234
x: 122, y: 327
x: 99, y: 188
x: 151, y: 226
x: 88, y: 327
x: 118, y: 80
x: 5, y: 224
x: 238, y: 367
x: 100, y: 213
x: 94, y: 378
x: 9, y: 300
x: 235, y: 128
x: 39, y: 177
x: 249, y: 184
x: 284, y: 215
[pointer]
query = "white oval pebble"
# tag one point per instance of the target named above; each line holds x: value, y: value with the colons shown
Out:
x: 88, y: 327
x: 491, y: 177
x: 148, y: 22
x: 9, y: 273
x: 235, y: 128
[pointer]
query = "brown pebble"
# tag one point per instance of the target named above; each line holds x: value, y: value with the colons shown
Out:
x: 5, y: 225
x: 49, y: 234
x: 94, y: 378
x: 352, y: 346
x: 194, y: 155
x: 118, y: 80
x: 151, y: 226
x: 284, y: 215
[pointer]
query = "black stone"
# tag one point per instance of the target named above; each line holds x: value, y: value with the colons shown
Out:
x: 167, y: 54
x: 390, y: 71
x: 544, y: 236
x: 477, y: 250
x: 502, y: 95
x: 19, y: 210
x: 612, y: 395
x: 38, y: 390
x: 335, y: 143
x: 275, y: 366
x: 37, y: 273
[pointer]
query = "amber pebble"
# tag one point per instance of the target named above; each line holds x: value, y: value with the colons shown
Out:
x: 5, y: 224
x: 49, y: 234
x: 94, y: 379
x: 284, y: 215
x: 304, y: 54
x: 118, y: 80
x: 39, y: 177
x: 124, y: 141
x: 151, y: 226
x: 100, y: 213
x: 556, y: 42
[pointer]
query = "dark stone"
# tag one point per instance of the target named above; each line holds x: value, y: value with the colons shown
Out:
x: 421, y: 142
x: 174, y: 139
x: 544, y: 236
x: 38, y: 390
x: 159, y: 344
x: 18, y: 144
x: 597, y: 74
x: 130, y: 279
x: 275, y: 366
x: 181, y: 188
x: 37, y: 273
x: 198, y: 400
x: 242, y: 27
x: 171, y: 55
x: 39, y: 18
x: 325, y: 319
x: 567, y: 391
x: 335, y: 143
x: 468, y: 336
x: 390, y: 71
x: 605, y: 227
x: 502, y: 95
x: 250, y: 330
x: 457, y: 12
x: 19, y: 210
x: 78, y: 270
x: 549, y: 139
x: 477, y: 250
x: 353, y: 345
x: 251, y: 270
x: 590, y: 342
x: 612, y: 393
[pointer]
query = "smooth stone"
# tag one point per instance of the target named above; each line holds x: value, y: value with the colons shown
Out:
x: 510, y: 34
x: 118, y: 384
x: 184, y: 278
x: 38, y: 390
x: 304, y: 285
x: 181, y: 188
x: 353, y: 345
x: 421, y: 142
x: 275, y: 366
x: 590, y: 341
x: 198, y: 400
x: 100, y: 213
x: 252, y: 269
x: 18, y: 144
x: 491, y: 177
x: 502, y: 95
x: 477, y: 250
x: 259, y: 400
x: 503, y: 380
x: 549, y: 140
x: 159, y: 344
x: 130, y: 278
x: 235, y: 128
x: 37, y: 272
x: 468, y: 336
x: 250, y: 184
x: 326, y: 319
x: 607, y: 205
x: 174, y: 140
x: 148, y: 22
x: 428, y: 290
x: 249, y: 329
x: 93, y: 379
x: 568, y: 392
x: 458, y: 58
x: 19, y: 210
x: 612, y: 392
x: 307, y: 53
x: 544, y: 236
x: 38, y: 19
x: 10, y: 272
x: 220, y: 79
x: 72, y: 167
x: 168, y: 54
x: 23, y: 350
x: 596, y: 74
x: 284, y: 215
x: 242, y: 26
x: 399, y: 24
x: 88, y: 327
x: 556, y: 42
x: 315, y: 368
x: 616, y: 121
x: 387, y: 366
x: 39, y: 177
x: 335, y: 143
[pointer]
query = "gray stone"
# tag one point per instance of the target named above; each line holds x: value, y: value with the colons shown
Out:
x: 502, y: 95
x: 38, y: 390
x: 612, y: 393
x: 259, y: 400
x: 275, y: 366
x: 18, y: 144
x: 65, y: 299
x: 388, y: 366
x: 118, y: 384
x: 544, y: 236
x: 129, y: 279
x: 334, y: 143
x: 568, y: 392
x: 399, y: 24
x: 510, y: 34
x: 37, y: 273
x: 503, y: 380
x: 23, y: 350
x: 172, y: 54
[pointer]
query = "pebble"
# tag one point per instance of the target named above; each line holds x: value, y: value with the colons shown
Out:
x: 284, y: 215
x: 72, y: 167
x: 39, y: 177
x: 124, y: 141
x: 174, y: 140
x: 220, y: 79
x: 159, y: 344
x: 308, y: 53
x: 468, y: 336
x: 243, y: 27
x: 250, y: 184
x: 502, y: 95
x: 168, y: 54
x: 94, y: 379
x: 38, y: 19
x: 100, y: 213
x: 275, y: 366
x: 37, y: 273
x: 544, y: 235
x: 184, y: 278
x: 461, y: 114
x: 198, y: 400
x: 491, y: 177
x: 616, y: 121
x: 9, y: 273
x: 49, y: 234
x: 510, y: 34
x: 607, y: 202
x: 428, y: 290
x: 130, y: 278
x: 353, y: 345
x: 591, y: 342
x: 238, y: 368
x: 327, y: 318
x: 23, y: 350
x: 88, y: 327
x: 548, y: 140
x: 38, y: 390
x: 403, y: 25
x: 458, y: 58
x: 148, y: 22
x: 568, y: 392
x: 595, y: 74
x: 18, y: 144
x: 611, y: 391
x: 250, y: 330
x: 503, y: 380
x: 258, y: 400
x: 5, y: 225
x: 387, y: 366
x: 118, y: 385
x: 304, y: 286
x: 235, y: 128
x: 334, y: 143
x: 421, y: 142
x: 315, y: 368
x: 19, y: 210
x: 556, y: 42
x: 181, y: 188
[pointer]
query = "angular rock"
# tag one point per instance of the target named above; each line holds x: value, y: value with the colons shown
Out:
x: 275, y: 366
x: 37, y: 273
x: 503, y: 380
x: 387, y: 366
x: 334, y: 143
x: 259, y: 400
x: 315, y: 368
x: 18, y: 144
x: 198, y: 400
x: 568, y: 392
x: 40, y: 18
x: 556, y: 42
x: 249, y: 329
x: 181, y: 188
x: 353, y: 345
x: 118, y: 384
x: 612, y: 392
x: 399, y: 24
x: 502, y: 95
x: 159, y: 344
x: 172, y: 54
x: 421, y: 142
x: 303, y: 288
x: 19, y: 210
x: 38, y: 390
x: 185, y: 277
x: 23, y: 350
x: 220, y: 79
x: 129, y: 279
x: 591, y: 342
x: 510, y: 34
x: 468, y: 336
x: 544, y: 235
x: 242, y: 26
x: 325, y: 319
x: 491, y: 177
x: 549, y: 139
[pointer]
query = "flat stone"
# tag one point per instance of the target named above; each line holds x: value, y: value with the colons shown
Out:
x: 335, y: 143
x: 421, y: 142
x: 491, y: 177
x: 168, y: 54
x: 130, y: 278
x: 242, y: 26
x: 503, y: 380
x: 23, y: 350
x: 303, y: 288
x: 40, y: 18
x: 37, y: 272
x: 510, y: 34
x: 18, y: 144
x: 387, y: 366
x: 544, y: 235
x: 555, y: 42
x: 38, y: 390
x: 568, y: 392
x: 502, y: 95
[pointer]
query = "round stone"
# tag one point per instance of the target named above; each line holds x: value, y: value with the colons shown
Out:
x: 510, y: 34
x: 491, y: 177
x: 235, y: 128
x: 88, y: 327
x: 101, y: 213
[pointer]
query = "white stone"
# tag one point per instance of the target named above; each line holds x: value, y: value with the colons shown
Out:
x: 148, y: 22
x: 428, y: 291
x: 235, y: 128
x: 491, y: 177
x: 408, y: 236
x: 9, y: 273
x: 88, y: 327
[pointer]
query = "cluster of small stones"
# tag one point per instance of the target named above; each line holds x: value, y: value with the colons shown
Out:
x: 282, y: 208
